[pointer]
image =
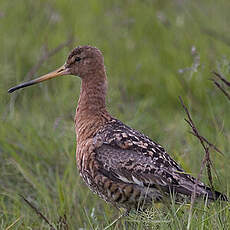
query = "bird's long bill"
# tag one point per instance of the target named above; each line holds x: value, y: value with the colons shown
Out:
x: 59, y: 72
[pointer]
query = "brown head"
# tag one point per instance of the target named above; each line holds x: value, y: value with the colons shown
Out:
x: 83, y: 61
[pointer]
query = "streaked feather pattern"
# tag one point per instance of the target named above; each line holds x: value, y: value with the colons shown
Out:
x: 127, y: 157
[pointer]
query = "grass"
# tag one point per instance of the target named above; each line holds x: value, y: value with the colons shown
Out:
x: 155, y: 51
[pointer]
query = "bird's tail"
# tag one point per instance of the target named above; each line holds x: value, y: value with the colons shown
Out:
x: 215, y: 195
x: 187, y: 187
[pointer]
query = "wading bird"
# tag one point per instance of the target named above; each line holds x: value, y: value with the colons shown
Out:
x: 123, y: 166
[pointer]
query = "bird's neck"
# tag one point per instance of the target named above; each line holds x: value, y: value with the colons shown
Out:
x: 91, y: 111
x: 92, y: 95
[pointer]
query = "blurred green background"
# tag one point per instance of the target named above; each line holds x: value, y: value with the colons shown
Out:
x: 155, y: 51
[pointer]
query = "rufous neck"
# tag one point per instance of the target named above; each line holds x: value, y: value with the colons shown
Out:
x: 93, y: 95
x: 91, y: 113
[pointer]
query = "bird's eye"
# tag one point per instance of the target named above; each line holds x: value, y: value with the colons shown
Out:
x: 77, y: 59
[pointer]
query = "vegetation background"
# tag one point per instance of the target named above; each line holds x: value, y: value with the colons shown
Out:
x: 155, y: 51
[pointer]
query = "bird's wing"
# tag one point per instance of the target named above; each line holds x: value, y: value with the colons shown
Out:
x: 126, y: 155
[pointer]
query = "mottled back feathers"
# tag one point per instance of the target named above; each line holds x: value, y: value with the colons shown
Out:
x: 130, y: 157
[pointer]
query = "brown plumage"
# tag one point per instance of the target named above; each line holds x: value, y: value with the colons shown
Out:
x: 120, y: 164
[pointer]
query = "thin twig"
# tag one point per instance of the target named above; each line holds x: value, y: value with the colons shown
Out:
x: 196, y: 133
x: 222, y: 78
x: 206, y: 160
x: 222, y: 89
x: 38, y: 212
x: 203, y: 141
x: 210, y: 144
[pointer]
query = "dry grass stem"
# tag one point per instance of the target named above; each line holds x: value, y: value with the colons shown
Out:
x: 38, y: 212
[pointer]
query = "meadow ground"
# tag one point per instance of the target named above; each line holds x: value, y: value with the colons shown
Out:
x: 155, y: 51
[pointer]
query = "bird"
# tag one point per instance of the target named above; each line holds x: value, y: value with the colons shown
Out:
x: 120, y: 164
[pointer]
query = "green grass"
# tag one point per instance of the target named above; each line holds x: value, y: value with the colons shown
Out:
x: 147, y: 49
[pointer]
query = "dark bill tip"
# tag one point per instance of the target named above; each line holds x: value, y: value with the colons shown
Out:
x: 11, y: 90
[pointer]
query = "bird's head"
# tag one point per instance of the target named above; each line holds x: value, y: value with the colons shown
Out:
x: 82, y: 62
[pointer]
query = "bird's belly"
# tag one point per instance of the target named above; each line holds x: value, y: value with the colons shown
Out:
x: 93, y: 186
x: 129, y: 196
